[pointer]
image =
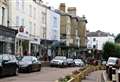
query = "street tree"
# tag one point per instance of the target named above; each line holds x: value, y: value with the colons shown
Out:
x: 117, y: 38
x: 109, y: 49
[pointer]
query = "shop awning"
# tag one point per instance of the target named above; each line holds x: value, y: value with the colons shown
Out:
x: 23, y: 36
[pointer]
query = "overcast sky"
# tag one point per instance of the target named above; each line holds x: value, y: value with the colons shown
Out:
x: 102, y: 15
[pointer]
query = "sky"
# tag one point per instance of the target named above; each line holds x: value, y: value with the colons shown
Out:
x: 102, y: 15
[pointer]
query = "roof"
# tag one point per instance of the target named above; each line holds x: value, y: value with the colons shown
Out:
x: 99, y: 34
x: 63, y: 13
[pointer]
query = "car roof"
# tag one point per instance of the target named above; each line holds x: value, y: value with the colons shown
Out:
x: 114, y: 58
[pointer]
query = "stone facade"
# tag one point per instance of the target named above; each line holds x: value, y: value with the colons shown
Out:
x: 82, y: 32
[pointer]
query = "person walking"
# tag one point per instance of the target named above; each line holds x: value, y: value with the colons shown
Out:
x: 49, y: 54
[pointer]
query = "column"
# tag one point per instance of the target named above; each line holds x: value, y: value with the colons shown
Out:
x: 29, y: 50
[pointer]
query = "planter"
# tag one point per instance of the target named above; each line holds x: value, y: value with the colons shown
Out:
x: 80, y: 74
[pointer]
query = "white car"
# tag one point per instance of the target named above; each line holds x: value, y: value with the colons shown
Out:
x: 112, y: 61
x: 79, y: 62
x: 59, y: 61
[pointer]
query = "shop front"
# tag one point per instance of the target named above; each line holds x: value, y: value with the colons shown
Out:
x: 35, y: 45
x: 22, y: 44
x: 7, y: 40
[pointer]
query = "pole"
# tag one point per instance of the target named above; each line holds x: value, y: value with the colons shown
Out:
x: 110, y: 72
x: 113, y: 75
x: 8, y: 14
x: 119, y: 76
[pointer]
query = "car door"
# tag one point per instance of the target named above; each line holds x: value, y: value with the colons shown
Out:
x: 14, y: 64
x: 35, y: 64
x: 6, y: 65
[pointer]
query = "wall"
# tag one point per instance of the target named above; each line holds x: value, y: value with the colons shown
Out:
x: 55, y: 30
x: 100, y: 41
x: 28, y: 13
x: 74, y: 29
x: 53, y: 25
x: 3, y: 4
x: 82, y: 32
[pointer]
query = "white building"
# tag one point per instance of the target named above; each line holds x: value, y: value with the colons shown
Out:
x: 35, y: 22
x: 27, y: 14
x: 98, y: 39
x: 3, y: 12
x: 53, y: 25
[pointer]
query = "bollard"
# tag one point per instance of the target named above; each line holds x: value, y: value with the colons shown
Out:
x: 119, y: 76
x: 110, y: 72
x: 107, y: 67
x: 113, y: 74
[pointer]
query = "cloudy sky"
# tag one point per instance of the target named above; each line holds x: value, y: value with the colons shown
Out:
x: 102, y: 15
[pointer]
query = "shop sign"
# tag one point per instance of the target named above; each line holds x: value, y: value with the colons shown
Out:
x: 23, y: 35
x: 35, y: 40
x: 21, y: 29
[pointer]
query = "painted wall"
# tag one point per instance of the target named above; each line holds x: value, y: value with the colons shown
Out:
x: 53, y: 25
x: 25, y: 13
x: 99, y: 41
x: 5, y: 13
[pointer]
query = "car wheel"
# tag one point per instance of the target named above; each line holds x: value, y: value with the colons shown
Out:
x: 39, y: 68
x: 29, y: 69
x: 16, y: 71
x: 63, y: 65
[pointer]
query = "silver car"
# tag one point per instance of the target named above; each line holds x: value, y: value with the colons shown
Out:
x: 59, y: 61
x: 70, y: 62
x: 79, y: 62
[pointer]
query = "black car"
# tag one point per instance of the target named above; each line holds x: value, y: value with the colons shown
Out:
x: 29, y: 64
x: 8, y: 65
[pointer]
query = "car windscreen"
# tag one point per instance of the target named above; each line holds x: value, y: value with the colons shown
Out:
x: 111, y: 61
x: 27, y: 58
x: 4, y: 57
x: 78, y: 60
x: 69, y: 59
x: 60, y: 58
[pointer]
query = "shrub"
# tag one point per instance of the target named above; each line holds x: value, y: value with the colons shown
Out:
x: 68, y: 77
x: 75, y: 72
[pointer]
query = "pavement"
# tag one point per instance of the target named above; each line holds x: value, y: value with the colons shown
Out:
x: 94, y: 77
x: 104, y: 76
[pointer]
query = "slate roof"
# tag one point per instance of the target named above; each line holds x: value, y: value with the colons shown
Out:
x: 98, y: 34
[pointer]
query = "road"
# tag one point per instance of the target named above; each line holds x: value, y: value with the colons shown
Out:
x: 94, y: 77
x: 47, y: 74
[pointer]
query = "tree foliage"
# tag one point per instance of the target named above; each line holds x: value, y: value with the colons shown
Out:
x: 111, y: 49
x: 117, y: 39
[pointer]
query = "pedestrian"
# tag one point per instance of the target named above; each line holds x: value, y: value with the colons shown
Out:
x: 49, y: 54
x: 45, y: 56
x: 25, y: 53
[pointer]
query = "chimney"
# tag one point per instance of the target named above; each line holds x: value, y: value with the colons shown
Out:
x: 62, y: 7
x: 72, y: 11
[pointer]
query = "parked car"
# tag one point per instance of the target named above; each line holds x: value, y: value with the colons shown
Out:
x: 59, y: 61
x: 8, y: 65
x: 112, y: 61
x: 104, y: 62
x: 19, y: 57
x: 79, y: 62
x: 70, y: 62
x: 29, y: 64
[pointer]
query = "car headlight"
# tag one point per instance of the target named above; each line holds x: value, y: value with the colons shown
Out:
x: 60, y: 62
x: 0, y: 64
